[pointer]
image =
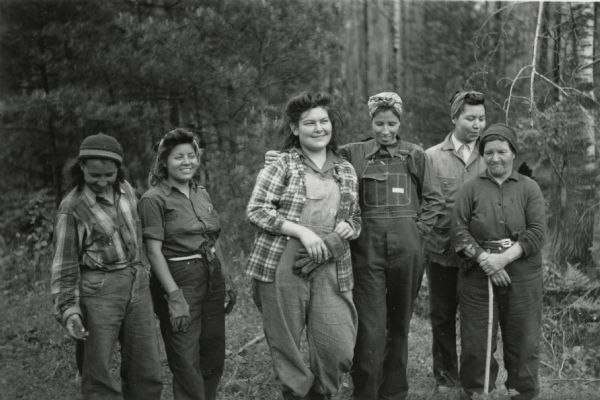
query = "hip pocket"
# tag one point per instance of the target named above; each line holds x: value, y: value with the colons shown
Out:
x: 92, y: 281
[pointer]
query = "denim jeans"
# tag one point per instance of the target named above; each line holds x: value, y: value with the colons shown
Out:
x: 443, y: 307
x: 196, y: 357
x: 117, y: 306
x: 388, y: 270
x: 518, y: 312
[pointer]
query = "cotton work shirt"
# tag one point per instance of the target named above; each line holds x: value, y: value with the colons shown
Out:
x: 279, y: 195
x: 182, y: 224
x: 451, y: 172
x: 486, y: 211
x: 96, y: 233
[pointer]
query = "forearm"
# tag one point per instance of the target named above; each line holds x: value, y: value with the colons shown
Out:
x: 289, y: 228
x: 160, y: 269
x: 513, y: 253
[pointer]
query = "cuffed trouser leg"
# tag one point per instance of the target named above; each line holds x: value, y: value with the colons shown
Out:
x: 443, y: 306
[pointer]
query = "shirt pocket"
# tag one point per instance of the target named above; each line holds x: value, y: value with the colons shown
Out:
x: 103, y: 244
x: 449, y: 186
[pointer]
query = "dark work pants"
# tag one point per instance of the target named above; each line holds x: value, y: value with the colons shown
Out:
x: 388, y: 269
x: 196, y: 357
x: 518, y: 311
x: 443, y: 307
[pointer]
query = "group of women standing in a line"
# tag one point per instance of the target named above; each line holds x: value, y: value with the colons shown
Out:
x: 319, y: 205
x: 338, y: 255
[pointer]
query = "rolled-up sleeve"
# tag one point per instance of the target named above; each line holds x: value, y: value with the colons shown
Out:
x: 65, y: 272
x: 266, y: 195
x: 152, y: 217
x: 533, y: 237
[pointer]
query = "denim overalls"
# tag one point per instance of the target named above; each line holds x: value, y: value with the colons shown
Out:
x: 388, y: 269
x: 291, y: 304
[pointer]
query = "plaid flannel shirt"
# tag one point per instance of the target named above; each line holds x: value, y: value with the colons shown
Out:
x: 92, y: 233
x: 279, y: 195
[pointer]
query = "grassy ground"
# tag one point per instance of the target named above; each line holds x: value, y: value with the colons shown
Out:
x: 37, y: 358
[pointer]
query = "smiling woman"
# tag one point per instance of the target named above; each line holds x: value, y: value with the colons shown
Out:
x: 305, y: 207
x: 180, y: 229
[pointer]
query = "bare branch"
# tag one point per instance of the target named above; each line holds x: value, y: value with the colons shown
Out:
x: 512, y: 85
x: 534, y: 59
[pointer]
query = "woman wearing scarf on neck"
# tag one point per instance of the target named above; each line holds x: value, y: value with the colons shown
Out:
x: 399, y: 202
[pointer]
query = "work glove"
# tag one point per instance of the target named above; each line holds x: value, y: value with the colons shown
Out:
x: 179, y: 311
x: 305, y: 267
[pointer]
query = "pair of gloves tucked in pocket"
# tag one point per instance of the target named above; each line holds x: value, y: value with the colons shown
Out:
x: 305, y: 267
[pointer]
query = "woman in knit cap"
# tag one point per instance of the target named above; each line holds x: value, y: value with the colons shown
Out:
x: 498, y: 227
x: 180, y: 229
x: 399, y: 202
x: 99, y: 281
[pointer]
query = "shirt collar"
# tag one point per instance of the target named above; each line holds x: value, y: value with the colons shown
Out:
x: 92, y: 197
x: 394, y: 150
x: 457, y: 143
x: 514, y: 176
x: 331, y: 160
x: 167, y: 189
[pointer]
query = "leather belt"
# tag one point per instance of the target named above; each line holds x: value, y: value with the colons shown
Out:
x: 497, y: 246
x: 186, y: 258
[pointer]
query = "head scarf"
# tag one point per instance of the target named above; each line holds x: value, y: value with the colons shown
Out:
x: 458, y: 101
x: 385, y: 99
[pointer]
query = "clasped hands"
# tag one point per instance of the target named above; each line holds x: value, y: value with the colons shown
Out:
x: 493, y: 265
x: 316, y: 251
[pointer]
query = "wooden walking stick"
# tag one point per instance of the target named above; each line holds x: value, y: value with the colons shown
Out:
x: 488, y: 352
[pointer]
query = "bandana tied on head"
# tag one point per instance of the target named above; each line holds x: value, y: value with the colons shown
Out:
x: 457, y: 101
x: 385, y: 99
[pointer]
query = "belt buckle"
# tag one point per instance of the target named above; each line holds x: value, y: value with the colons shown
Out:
x: 505, y: 243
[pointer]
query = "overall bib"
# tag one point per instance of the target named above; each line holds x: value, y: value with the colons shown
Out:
x: 291, y: 304
x: 388, y: 268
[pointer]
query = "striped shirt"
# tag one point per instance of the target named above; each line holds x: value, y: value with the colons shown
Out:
x: 279, y: 195
x: 93, y: 233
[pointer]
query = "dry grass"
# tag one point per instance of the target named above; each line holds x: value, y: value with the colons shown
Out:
x: 37, y: 359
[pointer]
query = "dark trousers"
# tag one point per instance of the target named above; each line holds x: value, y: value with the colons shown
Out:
x: 196, y: 357
x: 443, y: 307
x: 388, y: 269
x: 518, y: 312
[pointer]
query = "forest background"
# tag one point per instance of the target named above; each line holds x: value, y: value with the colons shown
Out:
x: 135, y: 69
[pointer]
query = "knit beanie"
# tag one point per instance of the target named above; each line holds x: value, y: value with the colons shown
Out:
x: 101, y: 146
x: 502, y: 130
